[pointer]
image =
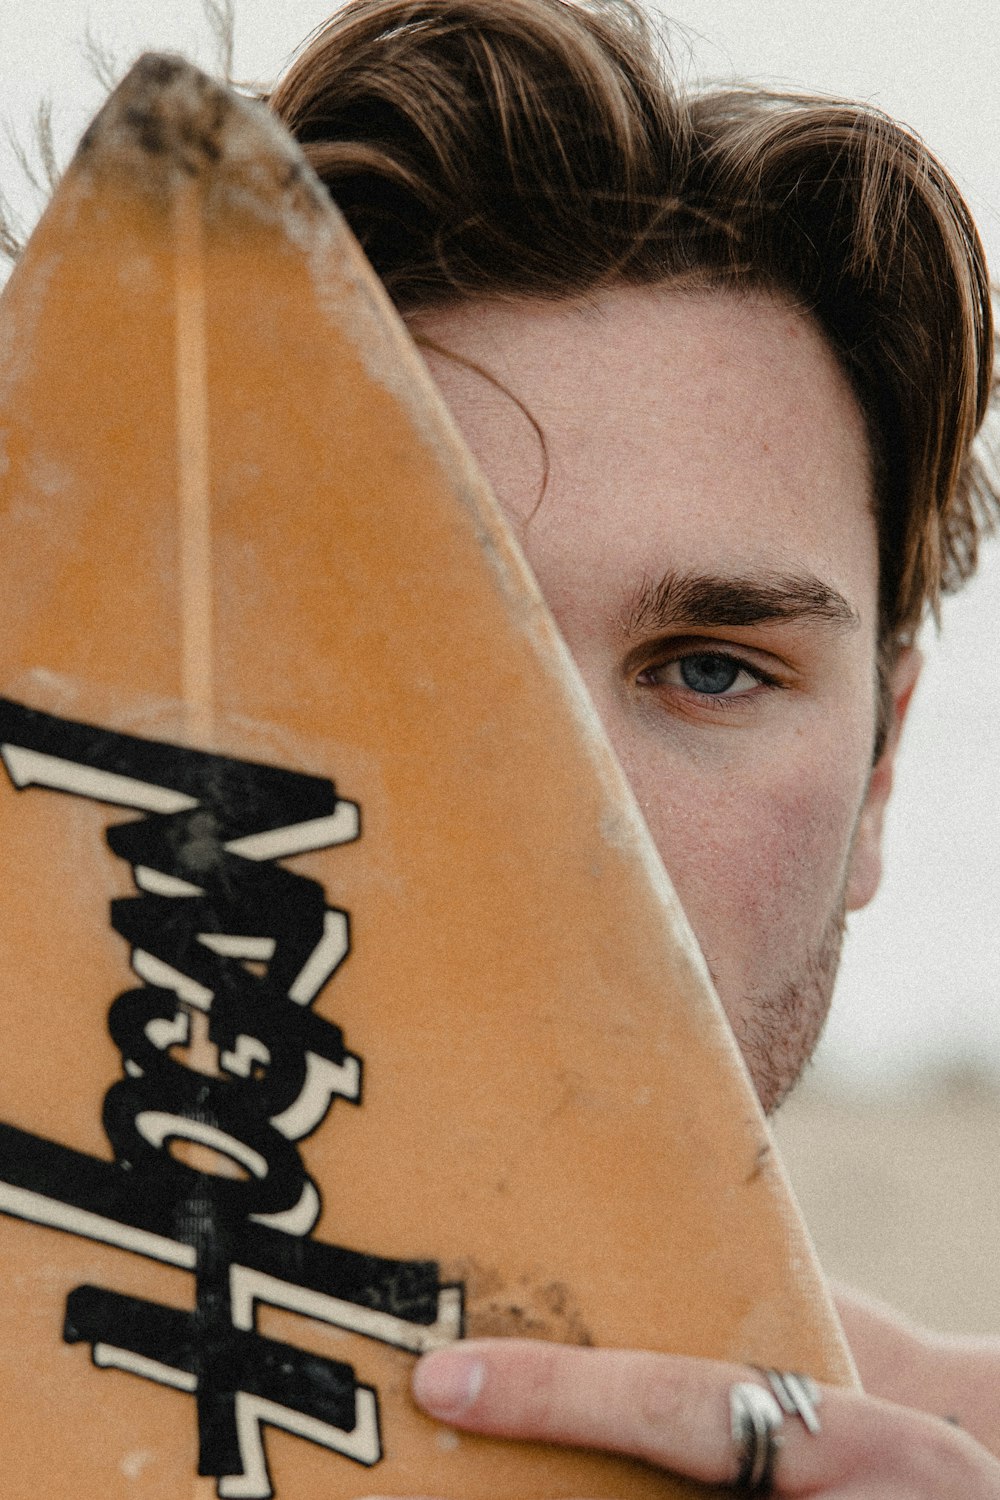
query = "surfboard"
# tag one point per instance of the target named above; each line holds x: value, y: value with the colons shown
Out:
x: 349, y: 1010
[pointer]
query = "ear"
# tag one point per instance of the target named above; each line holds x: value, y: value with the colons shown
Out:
x: 865, y: 867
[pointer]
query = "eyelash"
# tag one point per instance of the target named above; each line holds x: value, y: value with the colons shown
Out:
x: 718, y: 702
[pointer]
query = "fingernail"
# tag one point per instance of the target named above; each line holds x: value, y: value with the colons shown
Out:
x: 447, y: 1382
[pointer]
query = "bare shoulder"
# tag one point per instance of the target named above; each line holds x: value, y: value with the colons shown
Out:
x: 949, y: 1376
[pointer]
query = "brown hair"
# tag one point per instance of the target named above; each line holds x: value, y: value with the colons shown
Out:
x: 538, y: 148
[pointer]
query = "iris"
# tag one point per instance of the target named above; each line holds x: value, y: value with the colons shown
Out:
x: 709, y: 672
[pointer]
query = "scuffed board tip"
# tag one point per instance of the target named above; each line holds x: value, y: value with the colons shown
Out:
x: 168, y: 125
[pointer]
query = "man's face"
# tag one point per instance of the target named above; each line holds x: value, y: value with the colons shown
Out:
x: 706, y: 542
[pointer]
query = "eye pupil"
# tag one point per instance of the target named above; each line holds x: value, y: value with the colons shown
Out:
x: 708, y: 673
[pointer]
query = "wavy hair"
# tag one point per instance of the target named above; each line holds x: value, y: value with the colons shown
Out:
x: 542, y: 149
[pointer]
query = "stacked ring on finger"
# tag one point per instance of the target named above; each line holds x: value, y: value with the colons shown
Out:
x: 797, y: 1395
x: 756, y: 1422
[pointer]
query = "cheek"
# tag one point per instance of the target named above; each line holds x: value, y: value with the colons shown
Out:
x: 758, y: 855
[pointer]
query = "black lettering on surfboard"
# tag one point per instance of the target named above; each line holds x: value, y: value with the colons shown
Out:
x: 231, y: 945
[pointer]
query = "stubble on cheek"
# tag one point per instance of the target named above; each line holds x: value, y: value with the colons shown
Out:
x: 777, y: 1029
x: 779, y: 1011
x: 773, y: 951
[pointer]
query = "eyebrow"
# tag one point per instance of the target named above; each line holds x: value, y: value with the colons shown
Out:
x: 706, y: 599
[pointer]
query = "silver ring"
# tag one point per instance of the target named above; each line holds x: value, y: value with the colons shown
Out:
x: 755, y: 1422
x: 797, y: 1395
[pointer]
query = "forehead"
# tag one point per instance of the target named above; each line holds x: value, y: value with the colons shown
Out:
x: 651, y: 429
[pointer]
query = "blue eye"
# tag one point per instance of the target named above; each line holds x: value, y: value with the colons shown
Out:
x: 707, y: 672
x: 707, y: 675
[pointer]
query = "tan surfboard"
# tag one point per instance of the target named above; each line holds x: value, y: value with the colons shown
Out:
x: 347, y: 1007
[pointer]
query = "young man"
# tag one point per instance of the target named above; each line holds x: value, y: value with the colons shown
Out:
x: 722, y: 357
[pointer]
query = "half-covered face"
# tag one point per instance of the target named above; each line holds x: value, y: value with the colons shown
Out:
x: 705, y: 539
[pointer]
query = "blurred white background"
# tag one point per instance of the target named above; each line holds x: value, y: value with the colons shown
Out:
x: 920, y: 981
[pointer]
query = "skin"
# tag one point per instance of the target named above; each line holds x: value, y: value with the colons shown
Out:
x: 689, y: 477
x: 737, y: 487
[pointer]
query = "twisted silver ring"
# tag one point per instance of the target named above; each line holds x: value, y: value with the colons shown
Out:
x: 797, y: 1395
x: 756, y: 1422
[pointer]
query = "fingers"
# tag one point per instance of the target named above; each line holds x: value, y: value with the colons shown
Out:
x: 674, y: 1412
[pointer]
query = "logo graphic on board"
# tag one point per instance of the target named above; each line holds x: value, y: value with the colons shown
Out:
x: 232, y: 949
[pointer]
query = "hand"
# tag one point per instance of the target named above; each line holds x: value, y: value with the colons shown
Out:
x: 674, y: 1413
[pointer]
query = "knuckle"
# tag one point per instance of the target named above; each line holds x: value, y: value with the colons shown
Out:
x: 541, y: 1389
x: 654, y: 1393
x: 927, y: 1454
x: 942, y: 1456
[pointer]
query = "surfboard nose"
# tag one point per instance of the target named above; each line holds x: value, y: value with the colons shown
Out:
x: 167, y: 121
